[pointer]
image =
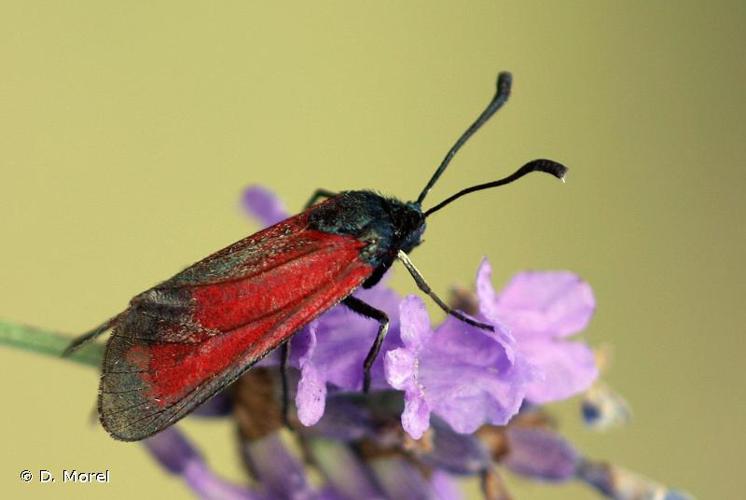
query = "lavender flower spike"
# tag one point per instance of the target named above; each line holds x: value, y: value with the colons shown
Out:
x: 540, y: 309
x: 461, y: 373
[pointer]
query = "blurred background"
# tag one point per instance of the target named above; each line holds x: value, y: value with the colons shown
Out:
x: 127, y: 131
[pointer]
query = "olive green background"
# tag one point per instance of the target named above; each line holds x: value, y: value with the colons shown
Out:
x: 128, y: 129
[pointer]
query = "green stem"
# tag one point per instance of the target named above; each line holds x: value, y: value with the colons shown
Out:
x: 50, y: 343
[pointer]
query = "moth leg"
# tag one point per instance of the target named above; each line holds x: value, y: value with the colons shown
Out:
x: 371, y: 312
x: 422, y: 285
x: 80, y: 341
x: 319, y: 193
x: 284, y: 366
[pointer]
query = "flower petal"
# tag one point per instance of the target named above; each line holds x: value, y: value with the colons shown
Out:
x: 485, y: 291
x: 550, y: 304
x: 415, y: 418
x: 459, y: 372
x: 263, y: 205
x: 468, y: 377
x: 310, y: 396
x: 415, y: 323
x: 569, y: 368
x: 400, y: 366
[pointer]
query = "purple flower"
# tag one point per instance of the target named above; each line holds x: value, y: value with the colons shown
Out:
x: 466, y: 375
x: 541, y: 309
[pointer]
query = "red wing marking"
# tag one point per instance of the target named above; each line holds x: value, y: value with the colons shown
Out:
x: 186, y: 339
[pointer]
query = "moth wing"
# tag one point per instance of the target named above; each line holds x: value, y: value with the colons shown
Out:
x: 184, y: 340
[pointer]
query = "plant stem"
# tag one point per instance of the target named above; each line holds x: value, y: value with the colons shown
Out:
x: 47, y: 342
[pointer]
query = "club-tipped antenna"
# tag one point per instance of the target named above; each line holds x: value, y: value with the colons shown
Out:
x: 546, y: 166
x: 504, y: 81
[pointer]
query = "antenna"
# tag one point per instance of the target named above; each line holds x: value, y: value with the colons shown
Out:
x: 546, y: 166
x: 504, y: 81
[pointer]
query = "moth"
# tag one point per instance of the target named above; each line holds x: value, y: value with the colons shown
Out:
x: 187, y: 338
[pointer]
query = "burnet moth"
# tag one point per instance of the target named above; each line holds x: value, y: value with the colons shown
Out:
x: 189, y: 337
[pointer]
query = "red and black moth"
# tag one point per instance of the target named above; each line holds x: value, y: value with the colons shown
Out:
x: 185, y: 339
